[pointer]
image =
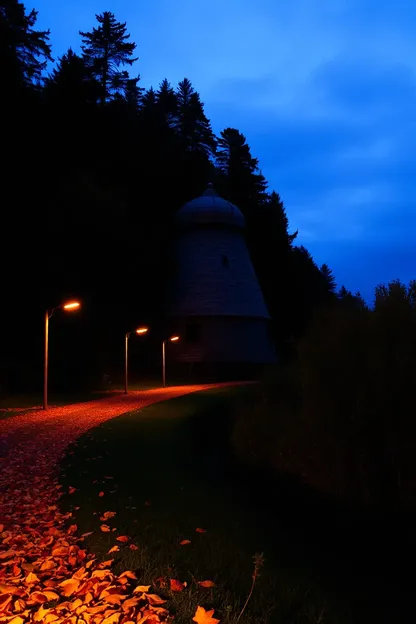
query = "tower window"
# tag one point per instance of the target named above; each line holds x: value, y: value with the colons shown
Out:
x: 193, y: 332
x: 225, y: 262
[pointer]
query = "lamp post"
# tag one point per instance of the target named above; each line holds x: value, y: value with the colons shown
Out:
x: 171, y: 339
x: 140, y: 331
x: 70, y: 306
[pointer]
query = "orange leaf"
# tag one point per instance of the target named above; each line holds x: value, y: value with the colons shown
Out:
x: 141, y: 589
x: 71, y: 489
x: 198, y: 530
x: 133, y: 547
x: 185, y: 542
x: 113, y: 598
x: 154, y: 599
x: 177, y: 586
x: 75, y: 604
x: 16, y: 620
x: 122, y: 538
x: 101, y: 494
x: 87, y: 534
x: 69, y: 586
x: 105, y: 528
x: 112, y: 619
x: 204, y: 617
x: 47, y: 565
x: 107, y: 515
x: 128, y: 574
x: 114, y: 549
x: 61, y: 551
x: 206, y: 583
x: 31, y: 578
x: 129, y: 603
x: 43, y: 596
x: 106, y: 564
x: 19, y: 604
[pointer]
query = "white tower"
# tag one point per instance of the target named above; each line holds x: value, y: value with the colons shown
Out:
x: 217, y: 306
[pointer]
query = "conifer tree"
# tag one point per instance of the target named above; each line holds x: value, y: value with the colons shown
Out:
x: 191, y: 123
x: 239, y: 173
x: 24, y: 51
x: 106, y: 51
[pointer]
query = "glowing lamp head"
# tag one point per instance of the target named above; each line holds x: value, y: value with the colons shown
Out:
x: 71, y: 305
x: 174, y: 338
x: 142, y: 330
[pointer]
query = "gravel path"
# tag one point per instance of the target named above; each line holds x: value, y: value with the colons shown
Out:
x: 45, y: 574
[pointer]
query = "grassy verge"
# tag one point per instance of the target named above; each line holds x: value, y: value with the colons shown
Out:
x: 163, y: 470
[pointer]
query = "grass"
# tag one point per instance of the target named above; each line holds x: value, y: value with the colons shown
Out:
x: 163, y: 470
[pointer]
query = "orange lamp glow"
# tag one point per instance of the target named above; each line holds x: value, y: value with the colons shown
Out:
x: 142, y: 330
x: 174, y: 338
x: 71, y: 305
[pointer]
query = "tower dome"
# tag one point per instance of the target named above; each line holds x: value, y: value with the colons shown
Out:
x: 211, y: 209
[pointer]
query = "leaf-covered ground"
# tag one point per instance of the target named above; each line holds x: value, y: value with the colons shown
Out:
x: 161, y: 477
x: 46, y: 573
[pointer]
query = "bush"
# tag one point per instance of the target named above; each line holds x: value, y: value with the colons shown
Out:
x: 340, y: 418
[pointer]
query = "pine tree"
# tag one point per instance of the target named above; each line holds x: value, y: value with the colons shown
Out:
x: 167, y: 102
x: 329, y: 279
x: 190, y: 121
x: 240, y: 178
x: 71, y: 84
x: 24, y: 51
x: 106, y: 51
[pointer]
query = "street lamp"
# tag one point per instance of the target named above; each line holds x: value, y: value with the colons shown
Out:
x: 171, y: 339
x: 69, y: 307
x: 139, y: 331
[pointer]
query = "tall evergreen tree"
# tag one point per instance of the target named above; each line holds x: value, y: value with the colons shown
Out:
x: 106, y: 51
x: 24, y: 51
x: 329, y: 278
x: 240, y: 177
x: 70, y: 84
x: 167, y: 102
x: 190, y: 121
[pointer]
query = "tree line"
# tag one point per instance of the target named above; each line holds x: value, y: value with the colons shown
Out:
x: 95, y: 168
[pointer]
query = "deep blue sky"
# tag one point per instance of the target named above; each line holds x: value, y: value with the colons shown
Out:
x: 324, y: 91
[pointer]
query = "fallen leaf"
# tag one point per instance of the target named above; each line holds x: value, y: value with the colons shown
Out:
x: 199, y: 530
x: 204, y: 617
x: 184, y: 542
x: 31, y: 578
x: 105, y: 528
x: 112, y: 619
x: 154, y: 599
x: 16, y: 620
x: 133, y: 547
x: 47, y: 565
x: 69, y: 586
x: 107, y: 515
x: 122, y: 538
x: 114, y: 549
x: 101, y: 494
x: 141, y: 589
x: 87, y: 534
x: 177, y: 586
x: 71, y: 489
x: 128, y: 574
x: 206, y: 583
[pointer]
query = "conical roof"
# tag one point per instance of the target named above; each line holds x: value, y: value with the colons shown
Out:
x: 212, y: 209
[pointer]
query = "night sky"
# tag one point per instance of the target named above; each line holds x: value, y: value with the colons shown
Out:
x: 323, y: 90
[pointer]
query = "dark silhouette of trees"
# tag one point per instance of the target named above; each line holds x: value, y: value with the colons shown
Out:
x: 106, y: 50
x: 117, y: 162
x: 24, y: 51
